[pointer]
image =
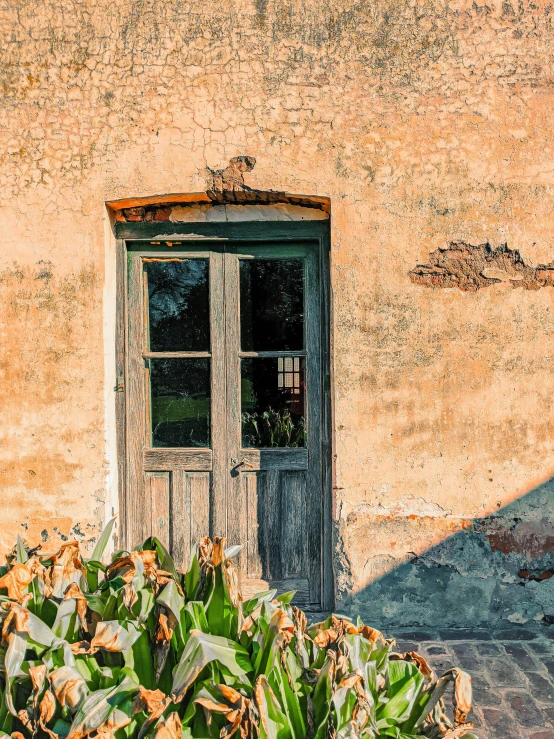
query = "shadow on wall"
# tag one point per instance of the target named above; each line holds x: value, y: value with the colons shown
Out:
x: 495, y: 571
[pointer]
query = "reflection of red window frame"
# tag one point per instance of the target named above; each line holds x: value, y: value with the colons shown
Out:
x: 290, y: 377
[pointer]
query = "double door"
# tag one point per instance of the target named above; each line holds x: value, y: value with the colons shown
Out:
x: 223, y: 420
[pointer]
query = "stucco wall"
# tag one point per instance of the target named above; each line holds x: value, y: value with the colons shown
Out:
x: 425, y: 123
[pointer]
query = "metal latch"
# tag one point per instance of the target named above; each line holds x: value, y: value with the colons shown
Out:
x: 120, y: 385
x: 242, y: 463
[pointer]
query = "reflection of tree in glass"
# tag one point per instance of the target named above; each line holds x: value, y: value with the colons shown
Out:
x: 180, y: 392
x: 272, y: 304
x: 178, y: 305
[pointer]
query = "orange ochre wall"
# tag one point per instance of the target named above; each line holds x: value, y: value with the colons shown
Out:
x: 425, y: 122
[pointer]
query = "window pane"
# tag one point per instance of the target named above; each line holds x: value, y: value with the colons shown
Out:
x: 271, y: 304
x: 180, y: 402
x: 178, y: 305
x: 272, y: 402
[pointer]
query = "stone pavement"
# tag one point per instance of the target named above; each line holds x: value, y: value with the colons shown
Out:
x: 512, y: 671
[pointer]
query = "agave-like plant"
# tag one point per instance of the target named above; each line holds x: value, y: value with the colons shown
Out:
x: 136, y: 649
x: 274, y: 429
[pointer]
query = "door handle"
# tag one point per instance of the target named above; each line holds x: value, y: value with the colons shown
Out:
x: 242, y: 463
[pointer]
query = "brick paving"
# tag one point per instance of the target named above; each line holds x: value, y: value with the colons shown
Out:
x: 512, y: 671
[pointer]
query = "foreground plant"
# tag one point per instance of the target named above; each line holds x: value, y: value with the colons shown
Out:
x: 136, y: 649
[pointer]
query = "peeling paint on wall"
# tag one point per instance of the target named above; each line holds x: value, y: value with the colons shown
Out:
x: 473, y: 267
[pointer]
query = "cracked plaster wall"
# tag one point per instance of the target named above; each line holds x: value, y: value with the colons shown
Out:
x: 425, y: 122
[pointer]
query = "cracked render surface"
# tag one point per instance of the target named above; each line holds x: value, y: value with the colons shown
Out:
x: 424, y: 122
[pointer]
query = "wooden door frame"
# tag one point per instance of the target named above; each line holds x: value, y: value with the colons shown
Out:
x: 317, y: 232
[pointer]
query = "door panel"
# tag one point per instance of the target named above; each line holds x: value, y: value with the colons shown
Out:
x: 176, y: 416
x: 273, y: 406
x: 157, y: 492
x: 224, y: 407
x: 190, y: 513
x: 293, y: 525
x: 275, y: 554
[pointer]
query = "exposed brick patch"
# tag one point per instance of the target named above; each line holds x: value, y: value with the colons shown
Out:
x: 160, y: 213
x: 471, y: 267
x: 133, y: 214
x: 232, y: 177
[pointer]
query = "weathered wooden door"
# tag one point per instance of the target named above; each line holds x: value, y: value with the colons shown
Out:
x: 223, y: 417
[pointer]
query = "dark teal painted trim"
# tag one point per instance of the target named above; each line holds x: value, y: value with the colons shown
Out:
x: 243, y: 230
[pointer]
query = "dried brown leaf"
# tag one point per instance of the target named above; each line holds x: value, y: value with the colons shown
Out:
x: 74, y: 591
x: 148, y: 557
x: 165, y: 627
x: 334, y: 635
x: 205, y: 549
x: 232, y: 579
x: 47, y: 707
x: 238, y: 714
x: 463, y: 697
x: 116, y: 720
x: 16, y: 620
x: 130, y: 596
x: 83, y: 647
x: 155, y: 576
x: 171, y: 728
x: 372, y: 635
x: 38, y: 676
x: 16, y: 580
x: 459, y: 732
x: 260, y: 687
x: 250, y: 621
x: 419, y: 661
x: 123, y: 567
x: 280, y: 621
x: 211, y: 705
x: 102, y: 732
x: 26, y: 719
x: 68, y: 686
x: 352, y: 680
x: 230, y: 694
x: 67, y: 567
x: 153, y: 717
x: 148, y: 701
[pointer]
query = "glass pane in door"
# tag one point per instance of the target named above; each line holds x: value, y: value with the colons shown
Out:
x: 178, y: 305
x: 271, y: 304
x: 178, y: 321
x: 180, y: 402
x: 273, y: 393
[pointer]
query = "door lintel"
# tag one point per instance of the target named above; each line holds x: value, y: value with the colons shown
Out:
x: 152, y: 207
